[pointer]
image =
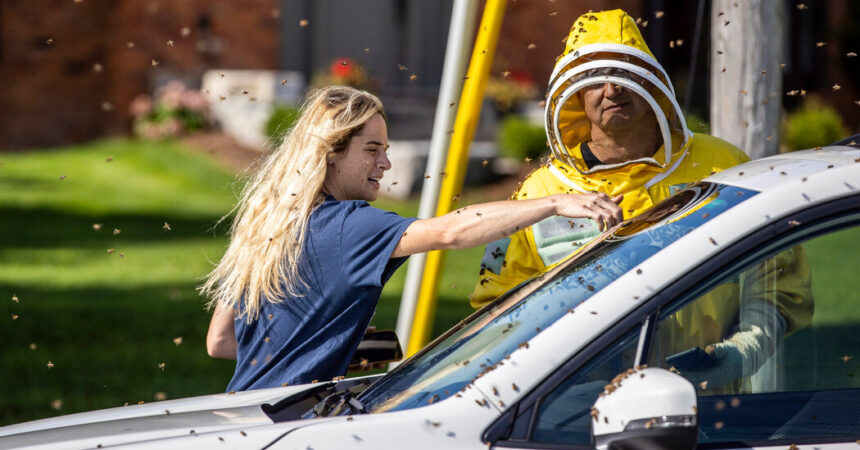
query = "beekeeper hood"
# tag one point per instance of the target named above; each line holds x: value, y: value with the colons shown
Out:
x: 607, y: 47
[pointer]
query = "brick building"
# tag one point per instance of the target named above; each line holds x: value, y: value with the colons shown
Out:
x: 69, y: 68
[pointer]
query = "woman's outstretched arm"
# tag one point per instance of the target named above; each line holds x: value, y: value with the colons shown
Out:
x: 486, y: 222
x: 221, y: 338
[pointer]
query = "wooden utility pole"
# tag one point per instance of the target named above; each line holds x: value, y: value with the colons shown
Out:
x: 747, y: 48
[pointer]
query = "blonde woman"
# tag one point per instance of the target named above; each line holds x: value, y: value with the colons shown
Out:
x: 308, y: 256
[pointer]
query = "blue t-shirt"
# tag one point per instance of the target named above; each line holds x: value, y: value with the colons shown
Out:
x: 346, y: 261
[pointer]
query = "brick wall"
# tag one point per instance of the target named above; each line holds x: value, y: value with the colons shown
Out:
x: 69, y: 68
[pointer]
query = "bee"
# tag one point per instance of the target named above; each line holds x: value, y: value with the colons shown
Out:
x: 170, y: 44
x: 161, y: 366
x: 116, y: 231
x: 50, y: 41
x: 154, y: 62
x: 303, y: 23
x: 485, y: 163
x: 166, y: 226
x: 129, y: 44
x: 713, y: 241
x: 57, y: 404
x: 658, y: 14
x: 50, y: 365
x: 177, y: 340
x: 15, y: 298
x: 820, y: 44
x: 532, y: 46
x: 851, y: 55
x: 33, y: 346
x: 110, y: 250
x: 802, y: 6
x: 185, y: 32
x: 402, y: 67
x: 62, y: 177
x: 243, y: 433
x: 836, y: 87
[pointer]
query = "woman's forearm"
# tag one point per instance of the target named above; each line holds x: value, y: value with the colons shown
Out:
x: 486, y: 222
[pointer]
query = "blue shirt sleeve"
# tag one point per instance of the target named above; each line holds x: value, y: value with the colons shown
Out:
x: 368, y: 238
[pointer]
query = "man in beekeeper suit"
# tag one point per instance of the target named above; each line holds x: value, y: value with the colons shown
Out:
x: 614, y: 127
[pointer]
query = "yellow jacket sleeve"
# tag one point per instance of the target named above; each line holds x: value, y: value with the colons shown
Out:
x: 784, y: 280
x: 506, y: 263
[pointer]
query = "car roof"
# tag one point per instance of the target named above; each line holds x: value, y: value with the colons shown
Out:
x: 768, y: 173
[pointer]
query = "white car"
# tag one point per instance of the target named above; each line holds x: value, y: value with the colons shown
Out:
x: 526, y: 371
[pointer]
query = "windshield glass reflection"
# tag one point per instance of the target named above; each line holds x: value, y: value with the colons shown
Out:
x: 478, y: 343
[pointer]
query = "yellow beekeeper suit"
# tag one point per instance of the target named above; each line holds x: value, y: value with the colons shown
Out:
x: 607, y: 47
x: 604, y: 46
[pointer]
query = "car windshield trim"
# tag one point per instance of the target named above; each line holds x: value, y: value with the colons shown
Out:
x: 472, y: 347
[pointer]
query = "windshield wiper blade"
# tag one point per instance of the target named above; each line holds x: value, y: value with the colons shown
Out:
x: 335, y: 405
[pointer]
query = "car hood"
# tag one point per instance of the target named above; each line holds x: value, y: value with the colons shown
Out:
x: 149, y: 421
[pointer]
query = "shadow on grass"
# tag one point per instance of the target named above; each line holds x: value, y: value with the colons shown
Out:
x: 106, y: 346
x: 40, y: 228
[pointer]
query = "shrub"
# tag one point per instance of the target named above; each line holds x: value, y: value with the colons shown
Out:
x: 698, y: 124
x: 518, y: 138
x: 176, y: 110
x: 812, y: 125
x: 280, y: 121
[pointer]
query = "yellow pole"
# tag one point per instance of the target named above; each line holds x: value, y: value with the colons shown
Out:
x: 468, y: 112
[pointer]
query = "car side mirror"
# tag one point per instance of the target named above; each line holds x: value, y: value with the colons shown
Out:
x: 376, y: 347
x: 650, y: 408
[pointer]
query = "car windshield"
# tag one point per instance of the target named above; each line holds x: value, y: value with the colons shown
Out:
x: 475, y: 345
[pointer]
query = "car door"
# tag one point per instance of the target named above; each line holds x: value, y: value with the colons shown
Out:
x: 801, y: 274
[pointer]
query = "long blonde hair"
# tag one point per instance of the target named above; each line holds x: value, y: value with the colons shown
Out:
x: 268, y: 234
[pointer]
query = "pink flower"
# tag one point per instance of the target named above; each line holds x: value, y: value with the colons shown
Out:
x: 170, y: 95
x: 141, y: 105
x: 171, y: 127
x: 194, y: 100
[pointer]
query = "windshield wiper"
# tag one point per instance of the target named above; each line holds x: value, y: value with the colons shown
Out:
x: 339, y: 403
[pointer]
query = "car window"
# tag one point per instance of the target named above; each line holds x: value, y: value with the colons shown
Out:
x: 564, y: 415
x: 485, y: 338
x: 771, y: 342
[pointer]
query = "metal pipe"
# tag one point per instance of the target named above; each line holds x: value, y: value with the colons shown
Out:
x: 460, y: 32
x: 466, y: 122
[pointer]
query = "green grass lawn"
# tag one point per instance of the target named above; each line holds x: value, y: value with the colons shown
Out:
x: 107, y: 321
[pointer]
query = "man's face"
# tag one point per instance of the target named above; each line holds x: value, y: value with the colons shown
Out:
x: 613, y: 108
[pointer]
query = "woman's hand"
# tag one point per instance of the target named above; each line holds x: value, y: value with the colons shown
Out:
x: 598, y: 207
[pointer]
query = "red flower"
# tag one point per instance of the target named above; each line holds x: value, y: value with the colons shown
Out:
x: 342, y: 68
